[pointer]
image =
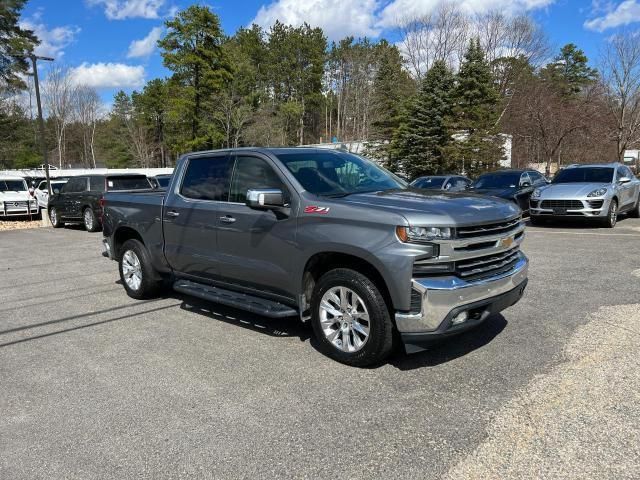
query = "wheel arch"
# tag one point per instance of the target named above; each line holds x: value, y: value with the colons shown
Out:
x: 121, y: 235
x: 321, y: 262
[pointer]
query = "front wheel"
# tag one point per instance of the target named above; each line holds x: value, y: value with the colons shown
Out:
x: 635, y: 213
x: 350, y: 318
x: 612, y: 215
x: 139, y: 278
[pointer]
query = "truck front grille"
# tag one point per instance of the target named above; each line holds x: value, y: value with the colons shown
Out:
x: 572, y: 204
x: 489, y: 229
x: 488, y: 265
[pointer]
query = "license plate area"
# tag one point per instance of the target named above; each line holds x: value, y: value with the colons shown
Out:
x: 559, y: 211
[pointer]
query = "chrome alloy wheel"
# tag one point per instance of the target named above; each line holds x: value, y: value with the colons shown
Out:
x: 53, y: 216
x: 131, y: 270
x: 88, y: 219
x: 613, y: 214
x: 344, y: 319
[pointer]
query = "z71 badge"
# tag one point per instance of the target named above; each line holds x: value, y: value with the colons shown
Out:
x: 316, y: 209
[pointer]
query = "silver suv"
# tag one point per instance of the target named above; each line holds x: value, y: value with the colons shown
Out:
x: 596, y: 192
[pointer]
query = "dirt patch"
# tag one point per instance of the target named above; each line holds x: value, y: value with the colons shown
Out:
x: 19, y: 224
x: 581, y: 420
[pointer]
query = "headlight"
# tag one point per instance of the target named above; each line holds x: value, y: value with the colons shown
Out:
x: 598, y: 193
x: 422, y: 234
x: 536, y: 193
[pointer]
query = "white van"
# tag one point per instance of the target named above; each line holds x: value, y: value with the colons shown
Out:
x: 15, y: 198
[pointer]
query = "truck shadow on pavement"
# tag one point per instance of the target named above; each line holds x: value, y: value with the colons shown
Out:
x: 448, y: 350
x: 452, y: 348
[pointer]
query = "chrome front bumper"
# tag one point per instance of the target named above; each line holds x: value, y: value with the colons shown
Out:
x: 443, y: 296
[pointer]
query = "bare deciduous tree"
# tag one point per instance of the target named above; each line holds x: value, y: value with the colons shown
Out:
x: 621, y: 79
x: 58, y: 93
x: 87, y: 107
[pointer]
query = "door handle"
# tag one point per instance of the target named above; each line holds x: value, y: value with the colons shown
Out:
x: 227, y: 219
x: 172, y: 213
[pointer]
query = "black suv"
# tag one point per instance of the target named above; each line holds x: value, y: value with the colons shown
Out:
x: 80, y: 199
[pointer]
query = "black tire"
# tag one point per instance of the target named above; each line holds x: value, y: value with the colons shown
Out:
x: 612, y: 215
x: 90, y: 221
x: 54, y: 218
x: 635, y: 212
x: 151, y: 282
x: 379, y: 344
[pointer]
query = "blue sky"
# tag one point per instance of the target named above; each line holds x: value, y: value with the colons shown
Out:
x: 110, y: 44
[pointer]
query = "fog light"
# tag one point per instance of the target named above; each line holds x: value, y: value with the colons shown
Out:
x: 460, y: 318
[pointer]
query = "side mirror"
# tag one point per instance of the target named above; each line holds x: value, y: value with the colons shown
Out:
x: 264, y: 198
x: 624, y: 180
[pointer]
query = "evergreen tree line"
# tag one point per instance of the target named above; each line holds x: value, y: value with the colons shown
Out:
x: 288, y: 85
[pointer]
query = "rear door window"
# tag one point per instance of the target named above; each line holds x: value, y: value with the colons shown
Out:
x: 137, y: 182
x: 207, y: 178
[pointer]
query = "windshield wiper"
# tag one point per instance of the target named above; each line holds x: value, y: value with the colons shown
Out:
x: 346, y: 194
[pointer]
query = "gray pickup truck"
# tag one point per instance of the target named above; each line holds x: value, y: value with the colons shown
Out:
x: 326, y: 236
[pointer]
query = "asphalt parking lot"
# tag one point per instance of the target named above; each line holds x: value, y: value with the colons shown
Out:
x: 97, y: 385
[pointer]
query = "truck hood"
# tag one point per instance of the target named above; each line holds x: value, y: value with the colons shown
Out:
x: 14, y: 196
x: 560, y: 191
x: 424, y: 207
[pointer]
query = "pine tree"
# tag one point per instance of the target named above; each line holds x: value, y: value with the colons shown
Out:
x: 14, y: 43
x: 569, y: 72
x: 477, y: 145
x: 193, y: 50
x: 417, y: 144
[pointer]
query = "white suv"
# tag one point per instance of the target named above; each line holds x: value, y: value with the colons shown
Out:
x: 42, y: 192
x: 15, y: 198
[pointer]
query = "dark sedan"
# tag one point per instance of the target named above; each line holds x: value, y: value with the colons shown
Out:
x: 514, y: 185
x: 451, y: 183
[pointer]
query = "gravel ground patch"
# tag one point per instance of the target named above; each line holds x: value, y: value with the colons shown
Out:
x: 581, y: 420
x: 19, y: 224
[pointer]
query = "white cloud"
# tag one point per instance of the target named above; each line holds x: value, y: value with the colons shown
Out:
x: 625, y: 13
x: 108, y: 75
x: 338, y: 18
x: 146, y: 46
x: 52, y: 42
x: 121, y: 9
x: 400, y: 10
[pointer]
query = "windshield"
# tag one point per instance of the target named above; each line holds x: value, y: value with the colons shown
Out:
x: 338, y: 173
x: 501, y: 180
x: 588, y: 175
x: 429, y: 182
x: 13, y: 186
x: 128, y: 183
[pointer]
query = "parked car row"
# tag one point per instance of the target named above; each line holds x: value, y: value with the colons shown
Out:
x: 15, y: 198
x: 594, y: 192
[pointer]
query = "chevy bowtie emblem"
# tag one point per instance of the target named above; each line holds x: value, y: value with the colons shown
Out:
x: 506, y: 242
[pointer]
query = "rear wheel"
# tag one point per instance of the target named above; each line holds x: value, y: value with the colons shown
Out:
x: 90, y: 222
x: 612, y: 215
x: 350, y: 318
x: 55, y: 218
x: 139, y: 278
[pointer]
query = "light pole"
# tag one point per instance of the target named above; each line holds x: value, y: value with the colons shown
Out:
x: 43, y: 144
